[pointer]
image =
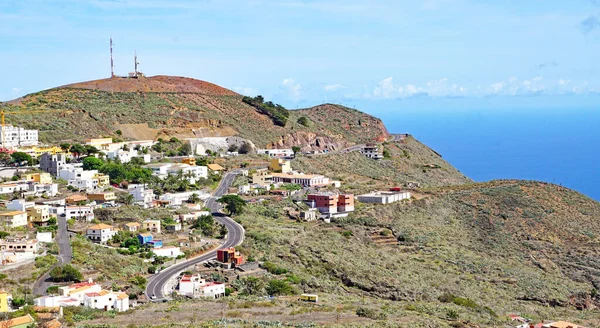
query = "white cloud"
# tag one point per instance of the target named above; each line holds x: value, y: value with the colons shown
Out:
x: 246, y: 91
x: 292, y: 88
x: 386, y: 88
x: 333, y: 87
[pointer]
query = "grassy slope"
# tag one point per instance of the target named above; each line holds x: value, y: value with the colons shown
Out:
x: 473, y: 243
x: 360, y: 174
x: 77, y: 112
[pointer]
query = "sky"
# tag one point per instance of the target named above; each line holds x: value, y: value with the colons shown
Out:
x: 371, y: 55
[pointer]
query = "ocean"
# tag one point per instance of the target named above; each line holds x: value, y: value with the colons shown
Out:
x: 560, y: 146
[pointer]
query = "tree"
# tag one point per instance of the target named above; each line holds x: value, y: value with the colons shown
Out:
x: 78, y: 150
x: 303, y: 120
x: 128, y: 199
x: 4, y: 234
x: 21, y: 157
x: 185, y: 149
x: 206, y: 223
x: 5, y: 159
x: 251, y: 286
x: 90, y: 150
x: 233, y: 203
x: 279, y: 287
x: 92, y: 163
x: 246, y: 148
x: 194, y: 198
x: 296, y: 150
x: 65, y: 273
x: 65, y: 146
x: 223, y: 231
x: 137, y: 161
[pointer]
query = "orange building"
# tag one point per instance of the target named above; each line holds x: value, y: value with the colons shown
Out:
x: 189, y: 161
x: 331, y: 203
x: 229, y: 255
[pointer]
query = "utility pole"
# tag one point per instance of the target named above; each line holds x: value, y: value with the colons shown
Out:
x: 112, y: 67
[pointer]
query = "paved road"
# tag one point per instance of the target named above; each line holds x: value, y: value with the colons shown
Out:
x: 235, y: 236
x: 65, y: 254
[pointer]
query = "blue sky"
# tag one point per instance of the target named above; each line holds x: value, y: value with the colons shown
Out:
x: 365, y: 54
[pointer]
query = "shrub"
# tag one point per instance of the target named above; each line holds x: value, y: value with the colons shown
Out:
x: 370, y: 313
x: 228, y: 291
x: 274, y: 269
x: 452, y: 314
x: 278, y: 114
x: 279, y: 287
x: 303, y: 120
x: 52, y: 290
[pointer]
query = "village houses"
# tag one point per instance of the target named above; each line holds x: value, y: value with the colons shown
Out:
x: 100, y: 233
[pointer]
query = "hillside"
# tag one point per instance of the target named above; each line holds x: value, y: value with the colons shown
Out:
x: 186, y: 108
x: 471, y: 253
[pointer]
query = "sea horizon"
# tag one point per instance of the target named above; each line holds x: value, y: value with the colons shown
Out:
x: 557, y: 146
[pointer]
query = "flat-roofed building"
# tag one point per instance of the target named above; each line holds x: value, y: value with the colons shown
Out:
x: 13, y: 219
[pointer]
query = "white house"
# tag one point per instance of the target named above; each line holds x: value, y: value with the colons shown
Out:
x: 168, y: 251
x: 9, y: 188
x: 141, y: 194
x: 78, y: 177
x: 78, y: 290
x: 100, y: 233
x: 244, y: 189
x: 84, y: 212
x: 38, y: 189
x: 177, y: 199
x: 276, y: 152
x: 372, y: 152
x: 384, y: 197
x: 19, y: 205
x: 190, y: 172
x: 125, y: 156
x: 13, y: 219
x: 107, y: 301
x: 44, y: 237
x: 194, y: 286
x: 18, y: 137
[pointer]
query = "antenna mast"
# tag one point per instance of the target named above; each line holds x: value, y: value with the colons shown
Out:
x: 135, y: 62
x: 112, y: 67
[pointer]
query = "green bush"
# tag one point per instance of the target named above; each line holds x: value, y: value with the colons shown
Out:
x: 370, y: 313
x: 278, y: 114
x: 303, y: 120
x: 279, y: 287
x: 274, y: 269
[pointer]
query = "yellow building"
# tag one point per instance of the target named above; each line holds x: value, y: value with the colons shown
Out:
x: 43, y: 178
x: 5, y: 298
x: 280, y: 165
x: 38, y: 214
x: 103, y: 180
x: 37, y: 151
x: 99, y: 143
x: 262, y: 177
x: 189, y: 160
x: 102, y: 197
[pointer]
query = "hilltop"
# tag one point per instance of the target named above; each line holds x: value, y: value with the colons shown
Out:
x: 164, y: 106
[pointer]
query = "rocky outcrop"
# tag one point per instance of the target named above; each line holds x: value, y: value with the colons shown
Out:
x: 310, y: 141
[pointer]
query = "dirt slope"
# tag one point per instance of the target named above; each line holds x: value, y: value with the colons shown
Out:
x: 159, y: 83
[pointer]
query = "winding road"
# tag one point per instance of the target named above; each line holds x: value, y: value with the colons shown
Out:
x: 65, y: 254
x: 235, y: 236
